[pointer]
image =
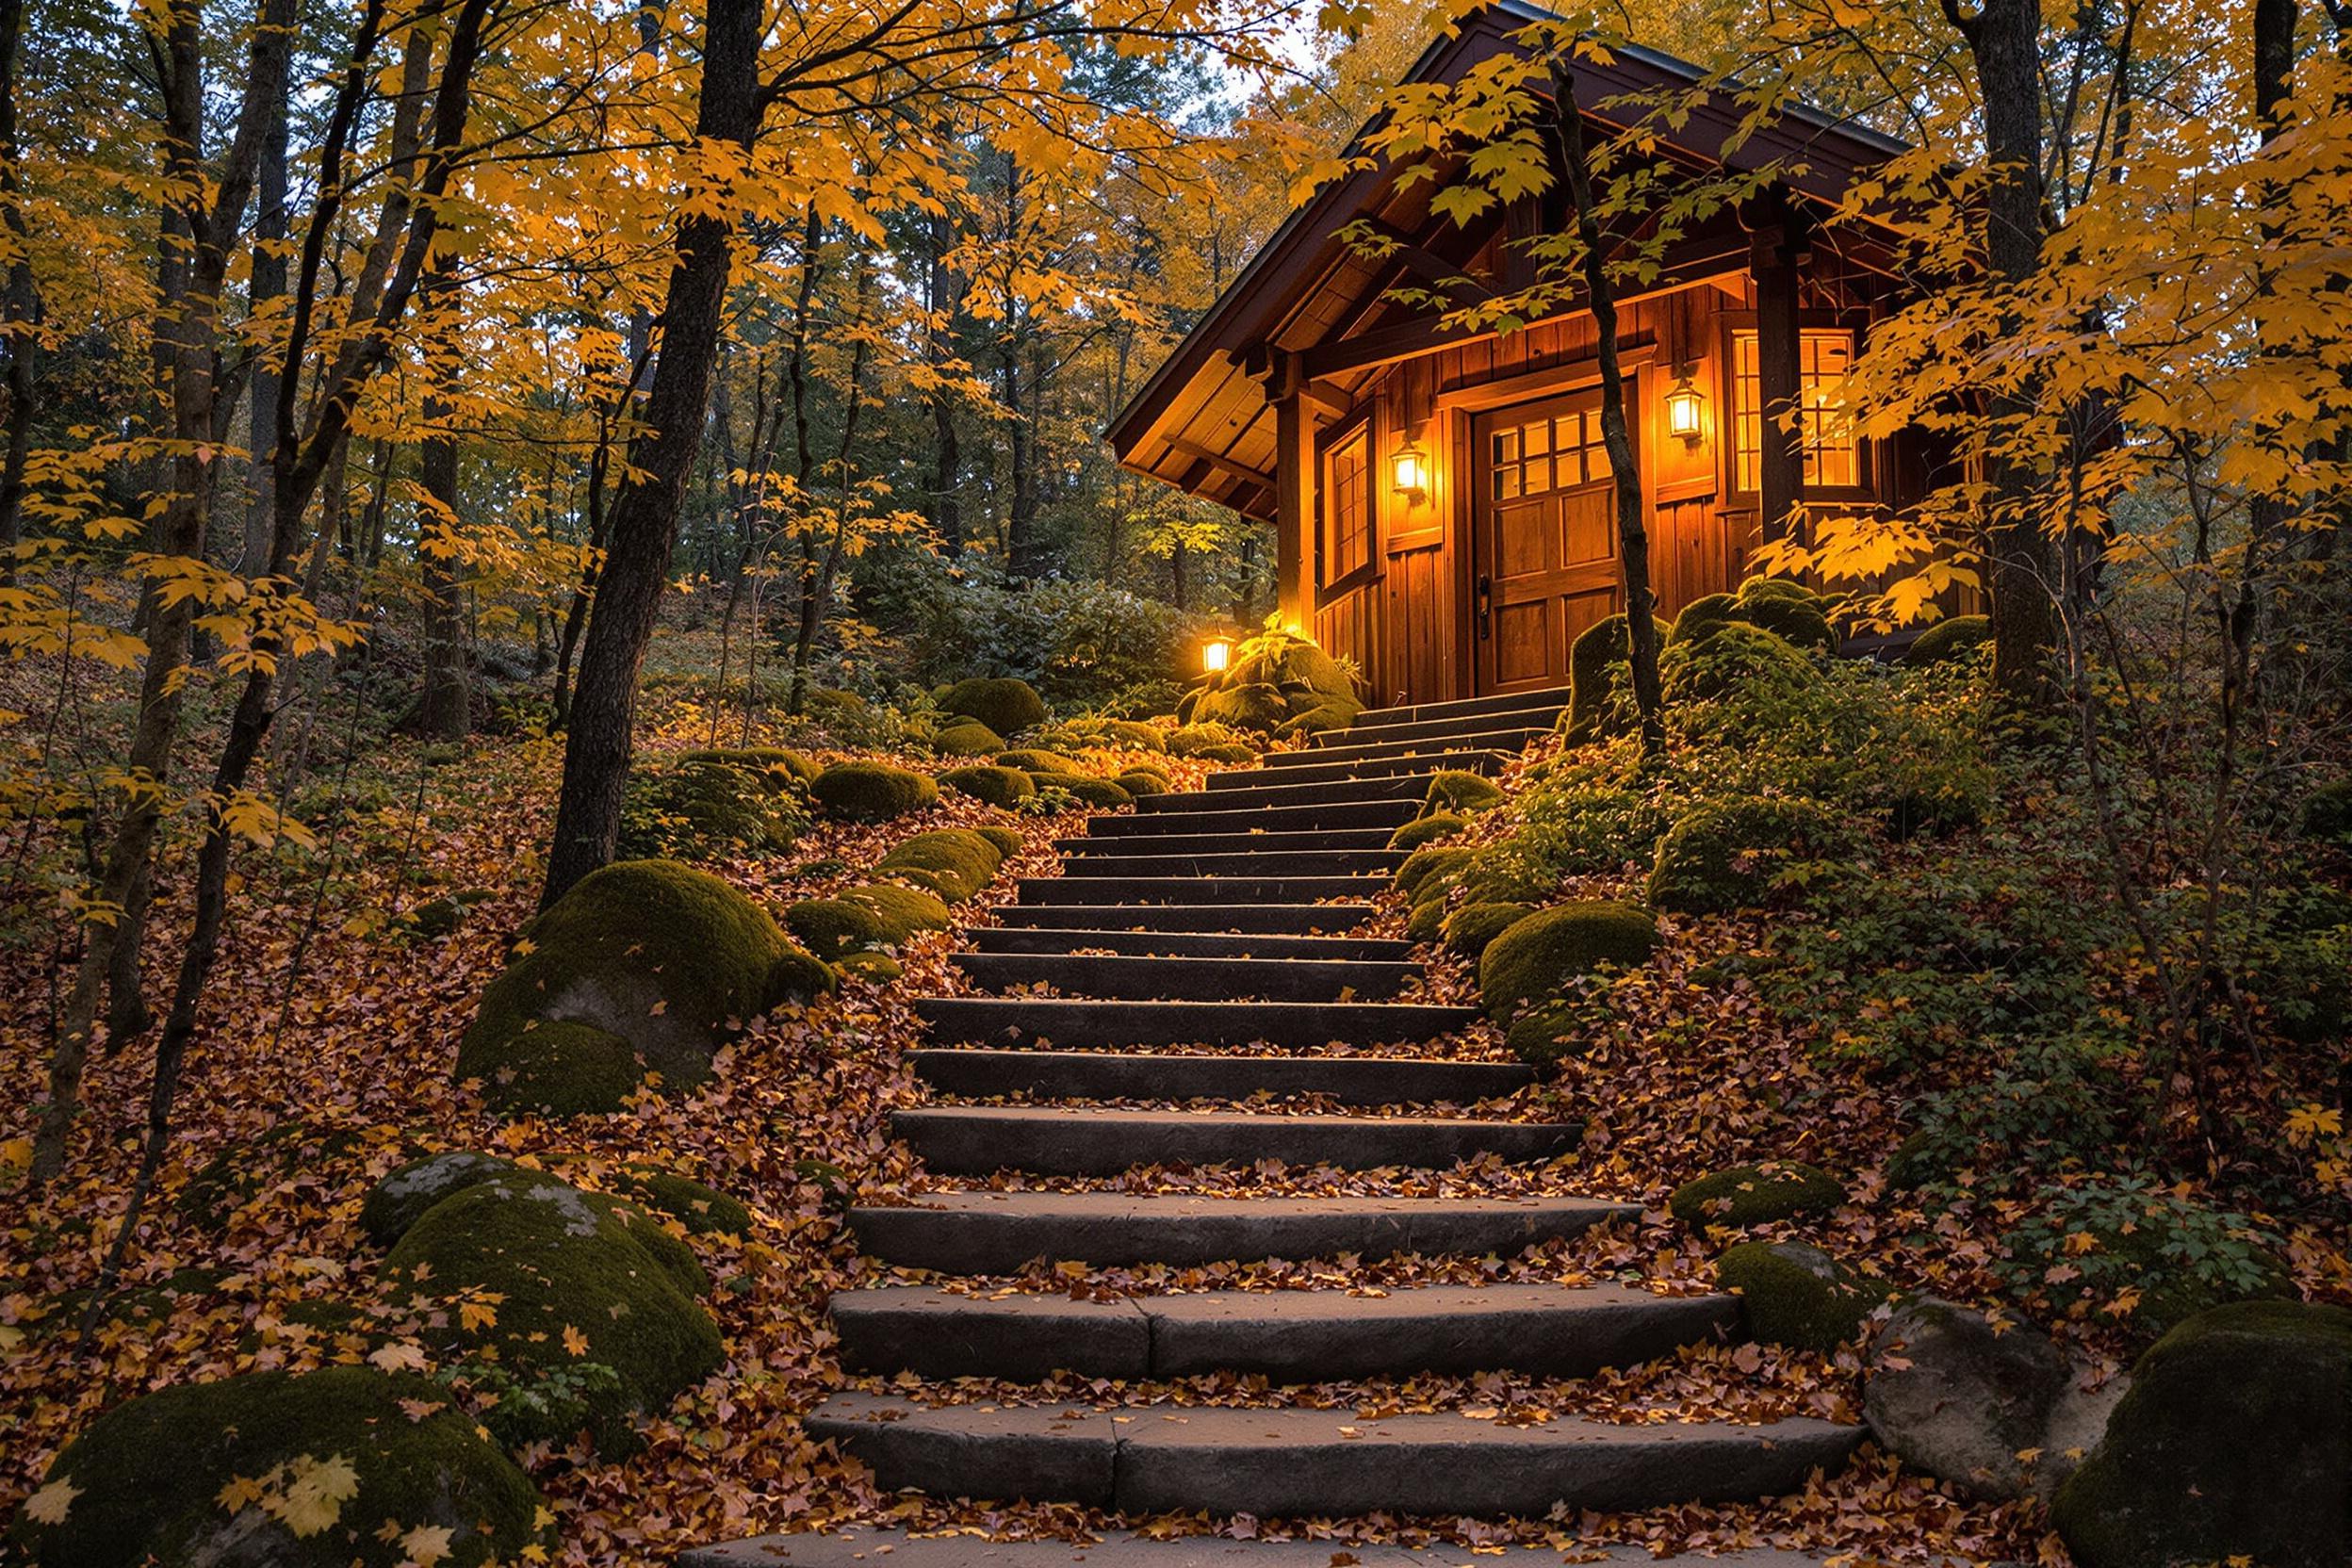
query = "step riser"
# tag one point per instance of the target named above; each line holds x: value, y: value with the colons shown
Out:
x: 1257, y: 791
x: 1073, y: 1024
x: 1533, y: 1330
x: 1221, y: 818
x: 1227, y: 844
x: 1268, y: 919
x: 1459, y: 709
x: 1370, y: 1081
x: 981, y: 1241
x: 1189, y: 979
x: 1321, y: 773
x: 953, y: 1143
x: 1450, y: 739
x: 1261, y: 864
x: 1096, y: 891
x: 1190, y: 945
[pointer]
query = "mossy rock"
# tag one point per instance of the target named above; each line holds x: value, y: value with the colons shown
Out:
x: 1035, y: 759
x: 1319, y: 720
x: 1738, y: 658
x: 1196, y: 740
x: 1138, y: 785
x: 1727, y: 854
x: 1702, y: 618
x: 830, y: 927
x: 1461, y: 794
x: 1137, y: 736
x: 798, y: 977
x: 872, y: 792
x: 1427, y: 861
x: 1256, y: 705
x: 782, y: 766
x: 1948, y: 638
x: 710, y: 809
x: 2327, y: 814
x: 819, y: 871
x: 2233, y: 1445
x: 1005, y: 705
x: 1756, y: 588
x: 1472, y: 927
x: 705, y: 1210
x: 876, y: 969
x: 1543, y: 1037
x: 961, y: 859
x: 990, y: 784
x: 903, y: 911
x: 401, y: 1198
x: 563, y: 1069
x: 1797, y: 622
x: 969, y: 739
x: 1099, y: 792
x: 1598, y: 650
x: 1427, y: 922
x: 1534, y: 957
x: 1757, y: 1195
x: 568, y: 1267
x: 1230, y: 754
x: 1795, y: 1295
x: 1428, y: 829
x: 1006, y: 841
x: 144, y: 1481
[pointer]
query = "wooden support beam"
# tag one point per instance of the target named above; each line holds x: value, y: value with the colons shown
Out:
x: 1294, y: 504
x: 1777, y: 260
x: 1219, y: 463
x: 1419, y: 259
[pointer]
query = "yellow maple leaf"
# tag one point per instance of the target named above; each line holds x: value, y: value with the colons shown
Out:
x: 50, y: 1505
x: 574, y: 1340
x: 315, y: 1497
x: 473, y: 1317
x: 427, y: 1545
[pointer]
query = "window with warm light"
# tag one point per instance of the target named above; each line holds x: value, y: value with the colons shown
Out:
x: 1833, y: 448
x: 1347, y: 507
x: 1559, y: 453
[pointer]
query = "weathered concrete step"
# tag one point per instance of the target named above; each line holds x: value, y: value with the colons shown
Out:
x: 1080, y: 1024
x: 877, y: 1548
x: 953, y: 1140
x: 1160, y: 978
x: 1242, y: 842
x: 1319, y: 771
x: 1268, y: 862
x: 1188, y: 945
x: 1223, y: 815
x: 1450, y: 739
x: 1106, y: 1075
x: 1000, y: 1232
x: 1291, y: 1463
x: 1553, y: 697
x: 1065, y: 891
x: 1258, y: 791
x: 1289, y: 919
x: 1291, y: 1336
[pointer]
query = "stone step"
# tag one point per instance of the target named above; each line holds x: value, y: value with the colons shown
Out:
x: 883, y: 1548
x: 1081, y: 1025
x: 1188, y: 945
x: 1454, y: 711
x: 1366, y: 1081
x: 1163, y: 978
x: 1271, y: 919
x: 1258, y: 790
x: 1066, y: 892
x: 979, y: 1140
x: 1316, y: 771
x: 1450, y: 738
x: 1224, y: 815
x: 1290, y: 1336
x: 1000, y: 1232
x: 1288, y: 1463
x: 1268, y: 861
x: 1241, y: 842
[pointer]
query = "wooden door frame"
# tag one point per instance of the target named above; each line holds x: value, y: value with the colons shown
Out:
x: 1481, y: 504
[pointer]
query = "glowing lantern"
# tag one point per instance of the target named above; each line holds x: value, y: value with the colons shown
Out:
x: 1216, y: 655
x: 1686, y: 411
x: 1409, y: 470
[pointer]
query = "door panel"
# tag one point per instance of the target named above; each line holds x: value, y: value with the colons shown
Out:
x: 1543, y: 537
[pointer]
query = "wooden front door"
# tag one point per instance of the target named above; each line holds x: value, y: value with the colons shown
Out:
x: 1543, y: 538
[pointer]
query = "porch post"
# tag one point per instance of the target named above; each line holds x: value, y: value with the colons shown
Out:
x: 1293, y: 492
x: 1777, y: 257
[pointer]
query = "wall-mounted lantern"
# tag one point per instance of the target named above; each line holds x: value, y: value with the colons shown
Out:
x: 1216, y: 655
x: 1686, y: 411
x: 1409, y: 470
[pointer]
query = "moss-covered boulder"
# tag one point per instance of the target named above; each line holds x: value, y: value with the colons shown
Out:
x: 1200, y: 739
x: 962, y: 860
x: 1545, y: 1037
x: 1470, y: 929
x: 970, y: 738
x: 1596, y: 651
x: 580, y: 1279
x: 1428, y: 829
x: 1756, y: 588
x: 1430, y: 860
x: 2234, y: 1445
x: 1037, y: 759
x: 1138, y: 784
x: 782, y: 766
x: 1005, y: 705
x: 1278, y: 681
x: 872, y: 792
x: 1319, y: 720
x: 1757, y: 1193
x: 1702, y: 618
x: 562, y: 1069
x: 1948, y: 639
x: 2327, y: 814
x: 990, y: 784
x: 1533, y: 958
x: 347, y: 1465
x: 1797, y: 622
x: 903, y: 911
x: 1007, y: 842
x: 705, y: 1210
x: 1427, y: 921
x: 1795, y: 1295
x: 875, y: 969
x: 402, y: 1198
x: 1461, y: 793
x: 710, y: 807
x: 1101, y: 794
x: 1731, y: 853
x: 830, y: 927
x: 670, y: 960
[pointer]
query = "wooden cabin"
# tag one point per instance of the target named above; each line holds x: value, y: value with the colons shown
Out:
x: 1442, y: 502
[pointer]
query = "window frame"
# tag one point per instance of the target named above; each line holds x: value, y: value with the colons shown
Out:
x: 1329, y: 444
x: 1737, y: 324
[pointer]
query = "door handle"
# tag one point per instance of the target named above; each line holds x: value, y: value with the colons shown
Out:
x: 1485, y: 605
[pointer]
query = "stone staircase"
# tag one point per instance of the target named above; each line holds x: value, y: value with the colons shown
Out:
x: 1199, y: 953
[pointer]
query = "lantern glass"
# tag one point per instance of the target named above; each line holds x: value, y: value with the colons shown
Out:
x: 1216, y: 655
x: 1409, y: 470
x: 1685, y: 411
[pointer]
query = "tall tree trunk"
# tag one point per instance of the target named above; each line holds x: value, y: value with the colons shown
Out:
x: 445, y: 708
x: 270, y: 269
x: 20, y: 307
x: 944, y: 297
x: 597, y: 738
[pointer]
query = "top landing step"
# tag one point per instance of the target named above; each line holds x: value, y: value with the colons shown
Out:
x: 1503, y: 702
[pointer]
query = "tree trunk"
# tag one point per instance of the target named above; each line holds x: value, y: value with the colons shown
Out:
x: 20, y: 309
x: 445, y: 711
x: 645, y: 516
x: 268, y: 289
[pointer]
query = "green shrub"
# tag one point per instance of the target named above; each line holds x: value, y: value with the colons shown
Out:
x: 148, y: 1480
x: 1463, y: 793
x: 1038, y: 762
x: 1470, y: 928
x: 963, y: 859
x: 1757, y: 1195
x: 1564, y: 831
x: 708, y: 809
x: 1735, y: 854
x: 969, y: 739
x: 1535, y: 957
x: 2097, y: 1247
x: 1003, y: 704
x: 1199, y: 739
x: 990, y: 784
x: 903, y: 911
x: 1594, y: 690
x: 1736, y: 658
x: 1795, y: 1295
x: 1319, y: 720
x: 1429, y: 860
x: 1082, y: 643
x: 1428, y: 829
x: 2327, y: 814
x: 1948, y: 638
x: 828, y: 927
x: 872, y: 792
